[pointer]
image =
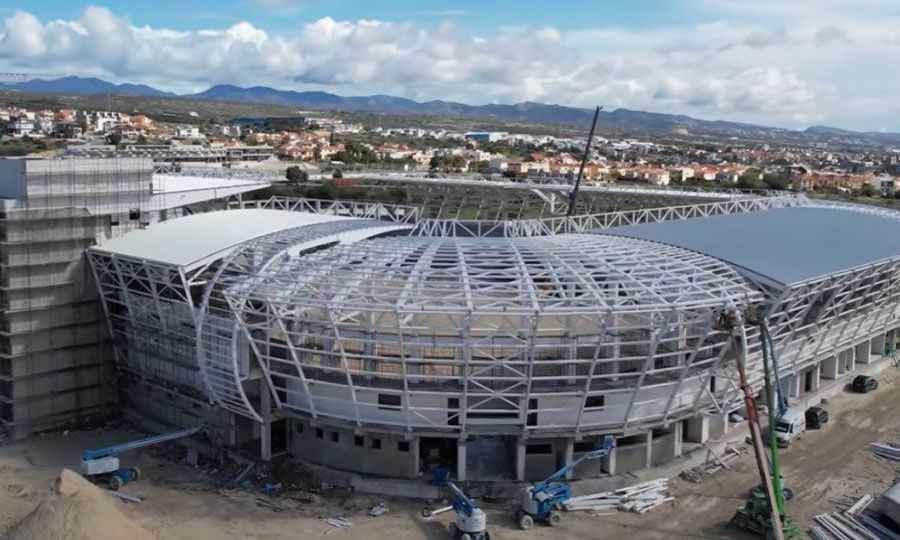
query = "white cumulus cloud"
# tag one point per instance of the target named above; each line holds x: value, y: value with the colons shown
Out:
x: 774, y: 68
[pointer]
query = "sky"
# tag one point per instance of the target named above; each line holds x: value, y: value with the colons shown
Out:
x: 788, y: 63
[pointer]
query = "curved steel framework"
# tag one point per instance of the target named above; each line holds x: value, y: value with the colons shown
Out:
x: 167, y: 321
x: 534, y: 331
x: 221, y: 349
x: 567, y: 333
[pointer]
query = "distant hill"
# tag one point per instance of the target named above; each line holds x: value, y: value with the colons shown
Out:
x: 527, y: 112
x: 85, y: 86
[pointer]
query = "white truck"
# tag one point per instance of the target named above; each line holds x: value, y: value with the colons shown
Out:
x: 790, y: 426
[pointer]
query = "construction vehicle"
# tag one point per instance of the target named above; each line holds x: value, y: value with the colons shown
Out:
x: 102, y: 464
x: 471, y: 521
x: 764, y: 512
x: 543, y: 501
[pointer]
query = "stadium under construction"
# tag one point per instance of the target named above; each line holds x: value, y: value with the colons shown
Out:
x: 372, y: 338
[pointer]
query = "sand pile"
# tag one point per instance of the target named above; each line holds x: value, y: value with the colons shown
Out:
x: 78, y: 510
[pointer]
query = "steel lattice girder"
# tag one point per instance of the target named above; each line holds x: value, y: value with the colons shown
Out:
x: 159, y: 332
x: 218, y: 337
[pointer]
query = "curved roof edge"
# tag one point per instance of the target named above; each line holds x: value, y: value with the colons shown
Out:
x: 193, y: 240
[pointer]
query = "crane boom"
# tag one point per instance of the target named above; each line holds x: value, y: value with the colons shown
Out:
x: 603, y: 451
x: 573, y: 197
x: 140, y: 443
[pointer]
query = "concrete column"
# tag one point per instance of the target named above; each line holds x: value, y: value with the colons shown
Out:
x: 461, y: 460
x: 648, y: 460
x: 829, y: 368
x: 265, y: 432
x: 679, y: 435
x: 521, y: 456
x: 697, y: 429
x: 720, y: 426
x: 863, y: 352
x: 817, y: 378
x: 414, y: 448
x: 609, y: 462
x: 232, y: 430
x: 877, y: 345
x: 568, y: 454
x: 795, y: 385
x: 846, y: 360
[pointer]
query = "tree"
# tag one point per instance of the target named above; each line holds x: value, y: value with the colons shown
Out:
x: 337, y: 174
x: 114, y: 138
x: 777, y: 180
x: 356, y: 153
x: 751, y: 179
x: 448, y: 163
x: 868, y: 190
x: 296, y: 175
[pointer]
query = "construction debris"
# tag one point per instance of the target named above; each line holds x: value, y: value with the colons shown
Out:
x: 378, y: 510
x: 339, y: 522
x: 714, y: 463
x: 853, y: 524
x: 887, y: 451
x: 427, y: 514
x: 640, y: 498
x: 124, y: 496
x: 244, y: 473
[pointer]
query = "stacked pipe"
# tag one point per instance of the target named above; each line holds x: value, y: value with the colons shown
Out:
x: 640, y: 498
x: 886, y: 451
x: 853, y: 524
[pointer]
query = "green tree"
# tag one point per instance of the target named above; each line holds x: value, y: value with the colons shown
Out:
x: 114, y: 138
x: 337, y: 174
x: 868, y: 190
x: 751, y: 179
x: 777, y: 180
x: 296, y: 175
x: 356, y: 153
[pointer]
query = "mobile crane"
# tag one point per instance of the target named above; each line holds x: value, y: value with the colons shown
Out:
x: 542, y: 501
x: 102, y: 464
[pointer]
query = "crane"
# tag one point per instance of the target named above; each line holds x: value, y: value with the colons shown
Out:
x: 471, y: 521
x: 541, y: 501
x: 103, y: 463
x: 573, y: 196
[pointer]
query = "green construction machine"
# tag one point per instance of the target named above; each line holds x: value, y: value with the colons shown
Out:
x: 764, y: 512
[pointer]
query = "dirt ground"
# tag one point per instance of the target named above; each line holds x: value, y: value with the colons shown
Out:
x: 824, y: 468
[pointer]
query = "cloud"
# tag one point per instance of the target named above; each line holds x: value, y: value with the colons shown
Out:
x: 785, y: 72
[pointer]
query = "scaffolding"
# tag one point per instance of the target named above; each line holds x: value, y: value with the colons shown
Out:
x: 54, y: 356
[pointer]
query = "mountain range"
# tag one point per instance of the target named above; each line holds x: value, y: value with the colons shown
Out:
x: 528, y: 112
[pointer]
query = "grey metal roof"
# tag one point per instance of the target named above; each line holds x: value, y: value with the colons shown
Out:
x: 785, y: 245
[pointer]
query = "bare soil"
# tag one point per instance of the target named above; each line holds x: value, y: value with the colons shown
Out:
x: 826, y: 468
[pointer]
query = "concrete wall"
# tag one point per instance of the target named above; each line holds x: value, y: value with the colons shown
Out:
x: 346, y: 454
x: 663, y: 448
x: 540, y: 465
x: 631, y: 456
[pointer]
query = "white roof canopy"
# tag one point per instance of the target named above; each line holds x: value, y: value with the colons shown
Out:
x: 193, y: 240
